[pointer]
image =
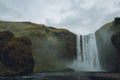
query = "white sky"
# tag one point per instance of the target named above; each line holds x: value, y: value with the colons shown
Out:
x: 79, y: 16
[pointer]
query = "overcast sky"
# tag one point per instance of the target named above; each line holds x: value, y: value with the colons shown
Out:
x: 79, y: 16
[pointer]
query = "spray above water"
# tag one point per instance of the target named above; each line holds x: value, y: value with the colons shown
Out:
x: 87, y: 54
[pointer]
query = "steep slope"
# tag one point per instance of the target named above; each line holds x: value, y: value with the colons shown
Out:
x: 107, y: 52
x: 52, y: 48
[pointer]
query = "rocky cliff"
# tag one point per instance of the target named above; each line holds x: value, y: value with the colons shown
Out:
x: 16, y: 56
x: 116, y: 41
x: 52, y: 48
x: 107, y: 52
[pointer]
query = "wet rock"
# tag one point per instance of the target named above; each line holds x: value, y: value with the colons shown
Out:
x: 117, y: 21
x: 116, y: 42
x: 107, y: 52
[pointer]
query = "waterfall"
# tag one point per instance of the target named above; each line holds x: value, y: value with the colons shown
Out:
x: 90, y: 51
x: 87, y: 54
x: 78, y: 48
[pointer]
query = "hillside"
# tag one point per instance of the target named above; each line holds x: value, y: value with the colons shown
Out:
x: 52, y: 48
x: 107, y: 51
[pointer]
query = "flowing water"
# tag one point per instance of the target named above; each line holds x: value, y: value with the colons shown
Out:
x: 66, y: 76
x: 79, y: 50
x: 87, y: 54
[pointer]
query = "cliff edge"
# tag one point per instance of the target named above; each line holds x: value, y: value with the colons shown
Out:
x: 107, y: 52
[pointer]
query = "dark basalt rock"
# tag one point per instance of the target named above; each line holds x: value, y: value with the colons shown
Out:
x: 108, y: 54
x: 116, y: 42
x: 6, y: 36
x: 15, y: 54
x: 117, y: 20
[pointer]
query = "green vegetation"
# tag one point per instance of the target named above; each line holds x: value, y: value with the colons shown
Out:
x: 16, y: 56
x: 107, y: 26
x: 51, y: 47
x: 107, y: 51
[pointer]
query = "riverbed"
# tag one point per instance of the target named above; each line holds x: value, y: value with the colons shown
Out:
x: 66, y: 76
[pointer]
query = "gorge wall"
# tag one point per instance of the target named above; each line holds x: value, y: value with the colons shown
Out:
x: 52, y: 48
x: 107, y: 51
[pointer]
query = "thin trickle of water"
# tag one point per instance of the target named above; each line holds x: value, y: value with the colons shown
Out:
x: 87, y: 54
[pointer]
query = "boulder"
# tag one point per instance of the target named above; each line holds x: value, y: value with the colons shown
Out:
x: 16, y: 56
x: 117, y: 21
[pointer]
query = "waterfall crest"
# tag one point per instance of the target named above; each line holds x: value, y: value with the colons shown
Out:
x: 87, y: 54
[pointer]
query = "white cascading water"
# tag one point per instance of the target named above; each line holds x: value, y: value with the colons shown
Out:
x: 87, y: 54
x: 78, y: 48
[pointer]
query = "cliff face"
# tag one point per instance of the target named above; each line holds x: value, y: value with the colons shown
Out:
x: 52, y: 48
x: 107, y: 52
x: 15, y: 55
x: 116, y: 42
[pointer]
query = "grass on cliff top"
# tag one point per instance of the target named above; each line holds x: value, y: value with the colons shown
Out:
x: 24, y: 28
x: 57, y: 30
x: 107, y: 26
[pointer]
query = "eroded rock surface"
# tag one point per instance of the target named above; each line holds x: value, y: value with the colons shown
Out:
x: 16, y: 56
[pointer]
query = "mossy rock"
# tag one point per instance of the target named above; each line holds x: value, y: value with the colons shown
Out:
x: 107, y: 51
x: 16, y: 56
x: 52, y: 48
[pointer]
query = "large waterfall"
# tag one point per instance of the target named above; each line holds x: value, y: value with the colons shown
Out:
x: 87, y: 54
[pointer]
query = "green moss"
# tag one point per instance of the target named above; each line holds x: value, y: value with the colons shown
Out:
x: 107, y: 26
x: 50, y: 45
x: 15, y: 54
x: 105, y: 47
x: 48, y: 63
x: 58, y: 30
